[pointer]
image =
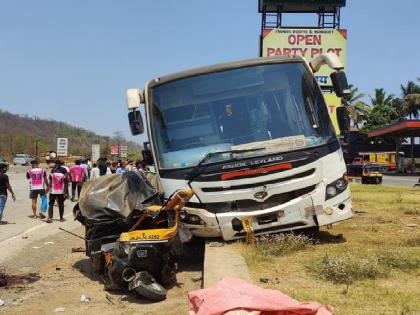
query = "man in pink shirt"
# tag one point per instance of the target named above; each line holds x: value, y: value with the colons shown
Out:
x: 78, y: 176
x: 37, y: 182
x: 57, y: 182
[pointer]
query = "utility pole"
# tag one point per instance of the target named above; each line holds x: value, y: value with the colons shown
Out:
x: 36, y: 148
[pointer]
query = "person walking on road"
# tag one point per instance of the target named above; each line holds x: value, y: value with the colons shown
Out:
x: 37, y: 182
x: 121, y: 169
x: 78, y: 176
x: 94, y: 173
x: 57, y: 181
x: 4, y: 187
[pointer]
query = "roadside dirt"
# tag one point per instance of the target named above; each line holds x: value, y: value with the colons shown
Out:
x: 66, y: 276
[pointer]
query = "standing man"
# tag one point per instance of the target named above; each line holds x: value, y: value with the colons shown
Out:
x: 37, y: 182
x: 78, y: 176
x: 86, y: 166
x: 57, y: 181
x: 102, y: 166
x: 94, y: 173
x: 62, y: 168
x: 121, y: 168
x: 4, y: 187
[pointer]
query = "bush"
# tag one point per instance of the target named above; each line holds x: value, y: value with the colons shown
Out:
x: 348, y: 269
x: 281, y: 244
x: 395, y: 260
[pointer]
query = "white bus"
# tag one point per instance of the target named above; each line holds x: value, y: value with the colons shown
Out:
x: 254, y: 141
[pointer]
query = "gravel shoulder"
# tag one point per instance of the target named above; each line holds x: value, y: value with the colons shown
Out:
x: 65, y: 276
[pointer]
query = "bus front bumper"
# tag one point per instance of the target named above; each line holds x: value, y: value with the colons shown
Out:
x: 304, y: 212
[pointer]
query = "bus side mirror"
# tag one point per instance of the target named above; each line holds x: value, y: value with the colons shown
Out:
x: 343, y: 120
x: 136, y: 122
x: 339, y: 81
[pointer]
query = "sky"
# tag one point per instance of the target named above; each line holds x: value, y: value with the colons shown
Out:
x: 73, y: 60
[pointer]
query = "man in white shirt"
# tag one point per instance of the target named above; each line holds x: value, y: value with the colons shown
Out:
x: 94, y: 173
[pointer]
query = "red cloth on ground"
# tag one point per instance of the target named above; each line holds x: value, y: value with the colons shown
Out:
x: 233, y: 294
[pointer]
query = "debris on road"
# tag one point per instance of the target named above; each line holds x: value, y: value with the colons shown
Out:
x: 197, y: 278
x: 47, y: 243
x: 85, y: 298
x: 2, y: 302
x: 59, y: 309
x: 264, y: 280
x: 110, y: 299
x: 9, y: 280
x: 78, y: 250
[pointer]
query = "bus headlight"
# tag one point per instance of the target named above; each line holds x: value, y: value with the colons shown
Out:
x: 340, y: 184
x: 331, y: 191
x: 335, y: 188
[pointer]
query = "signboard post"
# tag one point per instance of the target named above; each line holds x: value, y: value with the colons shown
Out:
x: 62, y: 146
x: 123, y: 151
x: 96, y: 152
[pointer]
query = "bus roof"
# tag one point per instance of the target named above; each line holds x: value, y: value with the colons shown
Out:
x: 226, y: 66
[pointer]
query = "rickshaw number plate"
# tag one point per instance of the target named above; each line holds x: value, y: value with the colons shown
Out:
x: 141, y: 253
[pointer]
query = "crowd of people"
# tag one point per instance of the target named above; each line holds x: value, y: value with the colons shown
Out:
x: 53, y: 186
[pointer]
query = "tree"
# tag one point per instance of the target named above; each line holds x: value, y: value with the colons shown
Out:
x: 410, y: 103
x: 383, y: 111
x: 356, y: 107
x: 381, y: 98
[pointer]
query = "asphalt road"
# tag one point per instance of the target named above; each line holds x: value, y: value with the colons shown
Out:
x: 400, y: 180
x: 17, y: 213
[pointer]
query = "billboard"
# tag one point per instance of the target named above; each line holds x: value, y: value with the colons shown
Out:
x: 123, y: 151
x: 96, y: 152
x: 306, y: 42
x: 114, y: 149
x: 62, y: 146
x: 333, y: 102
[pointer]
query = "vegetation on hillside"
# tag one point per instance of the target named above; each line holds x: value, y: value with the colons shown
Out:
x: 22, y: 133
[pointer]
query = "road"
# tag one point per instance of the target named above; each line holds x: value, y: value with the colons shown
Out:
x: 30, y: 246
x: 400, y: 180
x: 21, y: 229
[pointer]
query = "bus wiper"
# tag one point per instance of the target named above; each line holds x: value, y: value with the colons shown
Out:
x: 194, y: 173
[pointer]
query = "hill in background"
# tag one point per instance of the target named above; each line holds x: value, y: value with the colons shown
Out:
x: 19, y: 133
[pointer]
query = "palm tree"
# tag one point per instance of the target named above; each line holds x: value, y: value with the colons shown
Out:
x: 357, y: 109
x: 410, y: 99
x: 381, y: 98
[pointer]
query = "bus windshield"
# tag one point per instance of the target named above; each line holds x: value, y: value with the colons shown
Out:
x: 272, y: 108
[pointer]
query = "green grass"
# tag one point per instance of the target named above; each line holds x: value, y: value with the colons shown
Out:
x: 367, y: 265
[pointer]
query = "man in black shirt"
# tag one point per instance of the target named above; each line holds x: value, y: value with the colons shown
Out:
x: 102, y: 166
x: 4, y: 187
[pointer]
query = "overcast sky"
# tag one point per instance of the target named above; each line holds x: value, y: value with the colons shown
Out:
x: 73, y: 60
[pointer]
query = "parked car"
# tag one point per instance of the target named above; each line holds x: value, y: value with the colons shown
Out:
x: 22, y: 159
x: 3, y: 161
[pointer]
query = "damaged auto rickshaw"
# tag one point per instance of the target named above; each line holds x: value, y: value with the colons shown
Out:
x: 132, y: 237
